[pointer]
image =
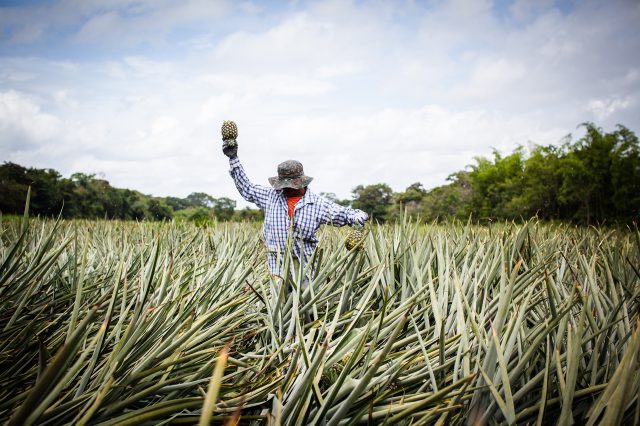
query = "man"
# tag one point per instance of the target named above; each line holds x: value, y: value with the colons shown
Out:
x: 289, y: 203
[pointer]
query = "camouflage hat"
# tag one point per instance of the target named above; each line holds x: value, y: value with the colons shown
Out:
x: 290, y: 175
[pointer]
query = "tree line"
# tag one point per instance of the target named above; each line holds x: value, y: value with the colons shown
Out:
x: 595, y: 179
x: 89, y: 196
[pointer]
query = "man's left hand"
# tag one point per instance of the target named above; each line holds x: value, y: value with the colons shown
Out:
x: 360, y: 218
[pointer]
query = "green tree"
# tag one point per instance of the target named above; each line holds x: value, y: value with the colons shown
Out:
x: 495, y: 185
x: 541, y: 183
x: 625, y: 174
x: 177, y: 203
x: 600, y: 176
x: 249, y: 214
x: 14, y: 185
x: 138, y: 208
x: 159, y: 210
x: 46, y: 191
x: 69, y: 199
x: 449, y: 201
x: 587, y: 179
x: 373, y: 199
x: 88, y: 195
x: 223, y: 208
x: 200, y: 199
x: 409, y: 201
x: 198, y: 215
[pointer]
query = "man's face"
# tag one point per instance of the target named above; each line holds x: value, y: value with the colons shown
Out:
x: 293, y: 192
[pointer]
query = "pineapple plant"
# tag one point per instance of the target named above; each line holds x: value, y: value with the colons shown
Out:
x: 229, y: 132
x: 415, y: 331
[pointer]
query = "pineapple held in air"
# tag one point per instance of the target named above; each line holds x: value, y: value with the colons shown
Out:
x: 356, y: 235
x: 229, y: 132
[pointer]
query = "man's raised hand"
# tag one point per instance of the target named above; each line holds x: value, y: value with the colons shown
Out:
x: 230, y: 148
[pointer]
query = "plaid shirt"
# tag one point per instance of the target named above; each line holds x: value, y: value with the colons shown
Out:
x: 309, y: 213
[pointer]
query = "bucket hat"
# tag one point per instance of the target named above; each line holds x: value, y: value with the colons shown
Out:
x: 290, y: 175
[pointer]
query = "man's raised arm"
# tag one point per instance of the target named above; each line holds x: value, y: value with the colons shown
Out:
x: 249, y: 191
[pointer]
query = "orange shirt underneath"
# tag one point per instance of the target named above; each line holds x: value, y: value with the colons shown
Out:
x: 291, y: 202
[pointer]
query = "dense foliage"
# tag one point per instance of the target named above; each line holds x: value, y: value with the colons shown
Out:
x: 88, y: 196
x: 595, y: 179
x: 112, y: 322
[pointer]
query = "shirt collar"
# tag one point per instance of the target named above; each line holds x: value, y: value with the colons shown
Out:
x: 309, y: 197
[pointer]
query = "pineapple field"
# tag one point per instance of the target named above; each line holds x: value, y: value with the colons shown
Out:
x: 110, y: 322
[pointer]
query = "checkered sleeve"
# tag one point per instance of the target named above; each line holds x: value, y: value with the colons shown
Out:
x: 337, y: 215
x: 259, y: 195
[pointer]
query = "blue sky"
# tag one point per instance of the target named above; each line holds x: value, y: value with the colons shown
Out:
x: 360, y: 91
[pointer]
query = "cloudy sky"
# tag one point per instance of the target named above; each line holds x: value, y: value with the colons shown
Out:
x: 360, y: 92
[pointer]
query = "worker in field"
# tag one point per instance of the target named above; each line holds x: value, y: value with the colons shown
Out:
x: 287, y: 203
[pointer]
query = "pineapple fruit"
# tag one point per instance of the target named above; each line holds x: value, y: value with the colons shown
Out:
x: 229, y: 132
x: 356, y: 234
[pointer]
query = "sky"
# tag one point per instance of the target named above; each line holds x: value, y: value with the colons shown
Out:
x: 361, y: 92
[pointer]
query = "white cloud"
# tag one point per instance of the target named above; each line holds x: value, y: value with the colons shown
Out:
x: 98, y: 27
x: 118, y: 23
x: 22, y: 123
x: 491, y: 77
x: 604, y: 108
x: 26, y: 35
x: 524, y: 10
x: 360, y: 92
